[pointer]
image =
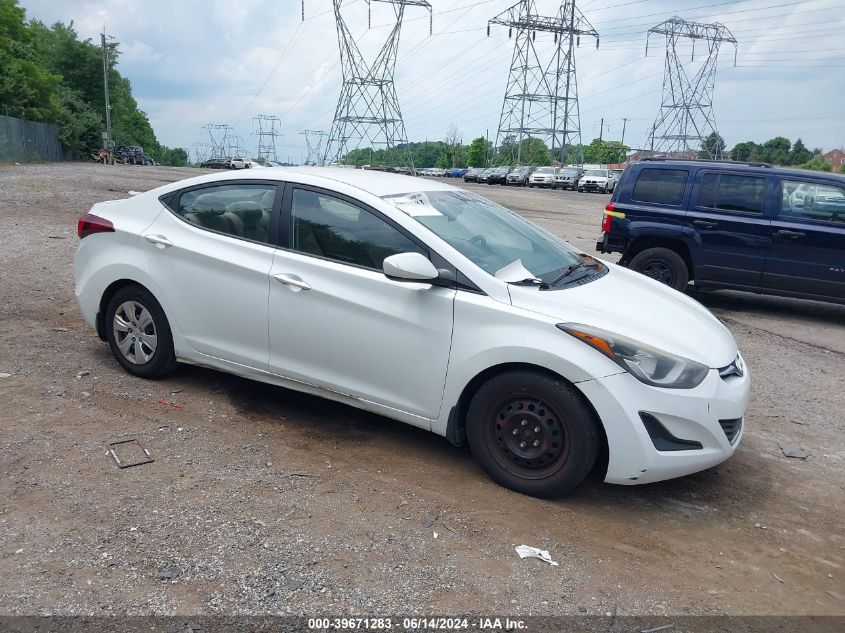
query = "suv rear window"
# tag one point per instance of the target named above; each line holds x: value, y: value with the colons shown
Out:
x: 732, y: 192
x: 660, y: 186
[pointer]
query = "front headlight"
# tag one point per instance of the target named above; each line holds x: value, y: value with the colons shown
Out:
x: 649, y: 365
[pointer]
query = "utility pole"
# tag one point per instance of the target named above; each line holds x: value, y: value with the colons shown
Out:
x: 601, y: 130
x: 624, y: 124
x: 109, y: 144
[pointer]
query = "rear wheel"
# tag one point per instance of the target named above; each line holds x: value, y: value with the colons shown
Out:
x: 138, y: 333
x: 663, y: 265
x: 531, y: 433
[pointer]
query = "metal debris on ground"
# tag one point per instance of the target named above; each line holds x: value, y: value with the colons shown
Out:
x: 295, y: 473
x: 778, y: 578
x: 144, y: 455
x: 793, y: 450
x: 4, y: 375
x: 665, y: 627
x: 526, y: 551
x: 84, y: 372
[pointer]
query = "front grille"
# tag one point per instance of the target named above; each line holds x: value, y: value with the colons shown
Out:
x: 731, y: 428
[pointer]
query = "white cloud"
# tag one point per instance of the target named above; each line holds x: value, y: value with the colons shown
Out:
x: 193, y: 62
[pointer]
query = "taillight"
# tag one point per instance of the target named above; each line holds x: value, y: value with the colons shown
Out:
x: 607, y: 219
x: 90, y: 224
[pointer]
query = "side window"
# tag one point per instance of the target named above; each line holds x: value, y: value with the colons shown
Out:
x: 238, y: 210
x: 661, y: 186
x: 329, y: 227
x: 732, y: 192
x: 812, y: 201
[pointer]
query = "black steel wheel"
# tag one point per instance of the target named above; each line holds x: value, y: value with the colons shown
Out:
x: 532, y: 433
x: 663, y: 265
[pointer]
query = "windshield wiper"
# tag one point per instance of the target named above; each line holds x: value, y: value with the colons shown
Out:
x: 568, y: 271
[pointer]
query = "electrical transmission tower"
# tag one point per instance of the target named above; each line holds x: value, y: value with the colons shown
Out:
x: 541, y: 98
x: 686, y: 115
x: 218, y: 138
x: 235, y: 146
x: 265, y: 128
x: 314, y: 141
x: 368, y: 108
x: 200, y: 152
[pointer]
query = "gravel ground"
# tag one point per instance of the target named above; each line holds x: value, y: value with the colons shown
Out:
x: 265, y: 501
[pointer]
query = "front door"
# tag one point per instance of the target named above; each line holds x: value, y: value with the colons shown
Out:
x: 338, y: 323
x: 808, y: 240
x: 727, y: 220
x: 210, y: 256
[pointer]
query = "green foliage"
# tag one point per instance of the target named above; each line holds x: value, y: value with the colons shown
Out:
x: 744, y: 151
x: 49, y: 74
x: 529, y: 151
x: 476, y: 155
x: 712, y: 147
x: 800, y: 154
x: 817, y: 164
x: 604, y: 152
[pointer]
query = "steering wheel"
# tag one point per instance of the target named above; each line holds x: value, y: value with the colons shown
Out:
x: 478, y: 240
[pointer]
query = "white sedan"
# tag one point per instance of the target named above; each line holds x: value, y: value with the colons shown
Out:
x: 422, y: 302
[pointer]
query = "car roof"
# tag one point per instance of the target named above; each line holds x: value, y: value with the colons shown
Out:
x: 378, y: 183
x: 756, y: 168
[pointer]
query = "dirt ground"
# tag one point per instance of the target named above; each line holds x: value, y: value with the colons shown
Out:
x: 265, y: 501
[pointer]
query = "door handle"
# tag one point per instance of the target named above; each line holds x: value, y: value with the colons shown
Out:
x: 158, y: 240
x: 706, y: 224
x: 791, y: 234
x: 292, y: 281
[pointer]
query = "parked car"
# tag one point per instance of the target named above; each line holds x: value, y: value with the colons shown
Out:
x: 472, y: 174
x: 216, y: 163
x: 567, y: 178
x: 731, y: 225
x: 543, y: 177
x: 130, y: 155
x: 484, y: 175
x: 457, y: 315
x: 519, y: 176
x: 456, y: 172
x: 499, y: 176
x: 597, y: 180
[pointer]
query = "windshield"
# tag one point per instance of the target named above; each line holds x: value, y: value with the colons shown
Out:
x: 521, y: 170
x: 568, y: 172
x: 596, y: 172
x: 503, y: 170
x: 491, y: 236
x: 545, y: 170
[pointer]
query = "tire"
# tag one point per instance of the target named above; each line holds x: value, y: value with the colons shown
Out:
x: 151, y: 359
x: 663, y: 265
x: 563, y: 427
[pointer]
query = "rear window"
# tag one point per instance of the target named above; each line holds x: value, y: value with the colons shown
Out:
x: 732, y: 192
x: 661, y: 186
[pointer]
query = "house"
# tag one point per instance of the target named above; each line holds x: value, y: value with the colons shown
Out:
x: 835, y: 158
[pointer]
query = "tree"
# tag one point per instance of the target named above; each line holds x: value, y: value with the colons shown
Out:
x: 817, y: 164
x: 744, y: 151
x: 712, y: 147
x: 477, y: 153
x: 533, y: 151
x: 605, y: 152
x: 775, y: 151
x: 799, y: 154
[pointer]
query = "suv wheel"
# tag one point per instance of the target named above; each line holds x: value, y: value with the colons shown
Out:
x: 663, y: 265
x: 531, y: 433
x: 138, y: 333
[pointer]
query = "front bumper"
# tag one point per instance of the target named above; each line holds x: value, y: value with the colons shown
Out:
x: 541, y: 183
x: 593, y: 186
x: 689, y: 414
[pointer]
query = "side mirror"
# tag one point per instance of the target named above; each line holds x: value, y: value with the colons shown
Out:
x: 409, y: 267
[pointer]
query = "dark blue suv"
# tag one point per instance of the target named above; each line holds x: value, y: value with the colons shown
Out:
x: 744, y: 226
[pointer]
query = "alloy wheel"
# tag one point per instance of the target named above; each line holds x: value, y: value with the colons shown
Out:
x: 135, y: 332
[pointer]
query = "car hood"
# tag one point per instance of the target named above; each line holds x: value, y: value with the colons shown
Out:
x: 632, y: 305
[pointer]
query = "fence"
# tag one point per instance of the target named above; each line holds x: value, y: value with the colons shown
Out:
x: 27, y: 142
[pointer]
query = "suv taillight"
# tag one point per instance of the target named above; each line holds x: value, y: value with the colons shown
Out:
x: 607, y: 219
x: 90, y: 224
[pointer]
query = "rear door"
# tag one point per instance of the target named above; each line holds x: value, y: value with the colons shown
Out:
x: 210, y: 256
x: 727, y: 224
x: 808, y: 239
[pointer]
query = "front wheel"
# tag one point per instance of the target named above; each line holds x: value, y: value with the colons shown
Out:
x: 663, y: 265
x: 531, y: 433
x: 138, y: 333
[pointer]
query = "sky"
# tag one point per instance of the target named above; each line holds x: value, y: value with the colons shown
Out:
x: 195, y: 62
